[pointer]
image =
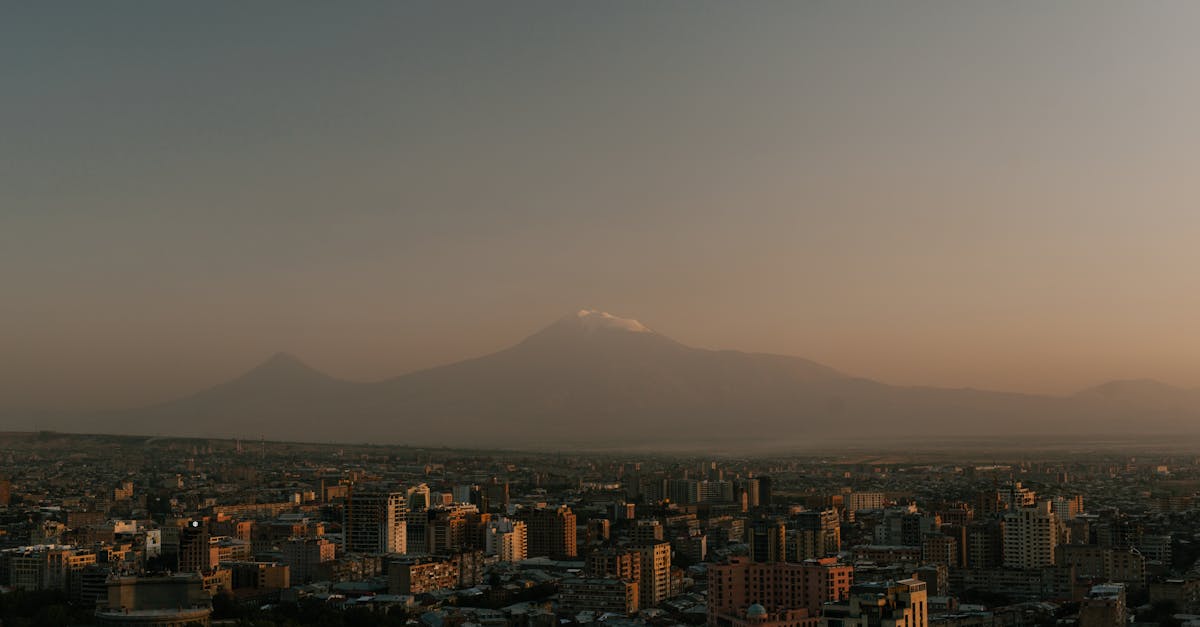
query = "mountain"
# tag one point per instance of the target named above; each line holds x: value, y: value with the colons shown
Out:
x: 1143, y: 397
x: 280, y: 396
x: 596, y: 380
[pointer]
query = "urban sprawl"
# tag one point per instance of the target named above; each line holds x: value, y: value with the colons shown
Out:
x: 113, y: 530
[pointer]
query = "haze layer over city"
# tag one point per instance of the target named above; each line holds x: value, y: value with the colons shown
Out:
x: 534, y: 314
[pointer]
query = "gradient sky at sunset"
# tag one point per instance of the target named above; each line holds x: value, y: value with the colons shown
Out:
x: 999, y: 195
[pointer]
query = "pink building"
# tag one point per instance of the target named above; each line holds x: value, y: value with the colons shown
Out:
x: 735, y: 587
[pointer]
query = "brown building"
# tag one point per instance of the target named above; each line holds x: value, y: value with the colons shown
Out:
x: 1105, y: 563
x: 615, y: 563
x: 44, y: 567
x: 1056, y: 582
x: 735, y: 585
x: 226, y: 526
x: 654, y: 587
x: 1184, y: 593
x: 599, y: 530
x: 618, y: 596
x: 217, y: 580
x: 891, y: 604
x: 939, y: 549
x: 647, y: 530
x: 815, y: 534
x: 768, y: 540
x: 1104, y: 606
x: 985, y: 544
x: 259, y: 575
x: 551, y: 532
x: 304, y: 556
x: 418, y: 575
x: 196, y: 551
x: 447, y: 529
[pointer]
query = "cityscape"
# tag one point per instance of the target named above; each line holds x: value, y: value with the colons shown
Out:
x: 129, y: 530
x: 620, y: 313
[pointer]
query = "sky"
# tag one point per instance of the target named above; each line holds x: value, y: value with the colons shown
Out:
x: 999, y: 195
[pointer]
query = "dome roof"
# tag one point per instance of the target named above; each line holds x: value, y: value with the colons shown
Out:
x: 756, y: 610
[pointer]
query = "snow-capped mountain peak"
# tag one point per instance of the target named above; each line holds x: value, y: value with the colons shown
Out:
x: 594, y: 319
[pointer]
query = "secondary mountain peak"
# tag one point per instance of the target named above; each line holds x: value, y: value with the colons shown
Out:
x: 1143, y: 393
x: 283, y: 367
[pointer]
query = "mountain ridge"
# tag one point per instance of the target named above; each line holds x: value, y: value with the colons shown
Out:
x: 591, y: 377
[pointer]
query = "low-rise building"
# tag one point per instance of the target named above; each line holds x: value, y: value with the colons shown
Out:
x: 618, y: 596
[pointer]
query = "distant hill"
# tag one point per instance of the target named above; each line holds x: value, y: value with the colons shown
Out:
x: 1143, y: 397
x: 595, y: 380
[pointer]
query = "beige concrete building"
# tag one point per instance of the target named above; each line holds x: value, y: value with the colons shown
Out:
x: 1030, y: 537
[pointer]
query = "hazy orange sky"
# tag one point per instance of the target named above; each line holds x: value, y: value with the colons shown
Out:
x: 998, y: 195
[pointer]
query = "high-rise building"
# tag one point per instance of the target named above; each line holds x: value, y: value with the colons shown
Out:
x: 960, y: 515
x: 714, y: 491
x: 462, y: 493
x: 1030, y: 537
x: 764, y: 491
x: 818, y: 533
x: 939, y: 549
x: 551, y: 532
x: 692, y: 547
x: 599, y: 530
x: 416, y: 530
x: 768, y: 540
x: 683, y: 491
x: 615, y: 563
x: 654, y: 586
x: 197, y: 554
x: 507, y: 540
x: 985, y: 544
x: 905, y: 527
x: 419, y: 497
x: 653, y: 489
x: 373, y: 521
x: 1067, y: 508
x: 495, y: 495
x: 752, y: 489
x: 447, y: 528
x: 1014, y: 496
